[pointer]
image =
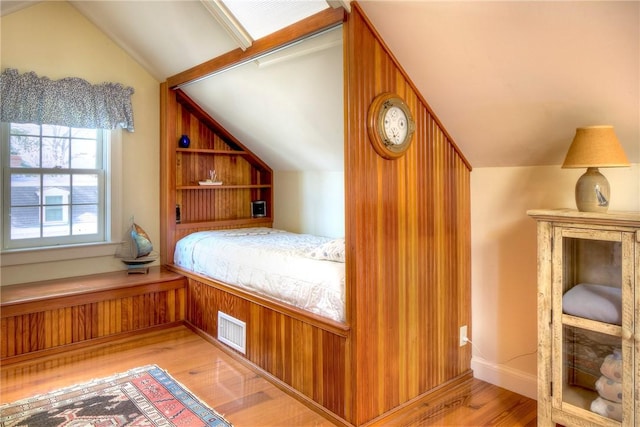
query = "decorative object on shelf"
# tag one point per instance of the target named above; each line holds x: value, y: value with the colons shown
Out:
x: 213, y: 179
x: 137, y: 250
x: 178, y: 214
x: 594, y: 147
x: 390, y: 125
x: 258, y: 209
x: 184, y: 141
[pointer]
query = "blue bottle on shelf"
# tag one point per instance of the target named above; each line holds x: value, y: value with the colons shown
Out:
x: 184, y: 141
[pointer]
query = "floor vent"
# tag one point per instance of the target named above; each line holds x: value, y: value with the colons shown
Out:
x: 232, y: 332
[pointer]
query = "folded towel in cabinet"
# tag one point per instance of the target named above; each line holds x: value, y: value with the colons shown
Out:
x: 595, y: 302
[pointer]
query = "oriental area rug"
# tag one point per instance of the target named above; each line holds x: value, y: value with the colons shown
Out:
x: 145, y: 396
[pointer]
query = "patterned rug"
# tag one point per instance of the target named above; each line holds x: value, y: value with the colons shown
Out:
x: 145, y: 396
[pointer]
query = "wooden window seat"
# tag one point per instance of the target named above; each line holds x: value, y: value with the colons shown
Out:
x: 52, y: 316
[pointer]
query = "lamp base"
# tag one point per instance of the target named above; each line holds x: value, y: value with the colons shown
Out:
x: 592, y: 192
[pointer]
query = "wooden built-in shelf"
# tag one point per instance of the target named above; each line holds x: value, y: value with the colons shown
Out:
x: 241, y: 222
x: 212, y: 151
x: 592, y: 325
x: 222, y: 187
x: 245, y: 177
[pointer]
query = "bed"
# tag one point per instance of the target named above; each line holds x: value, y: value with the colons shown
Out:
x: 288, y: 290
x: 303, y: 270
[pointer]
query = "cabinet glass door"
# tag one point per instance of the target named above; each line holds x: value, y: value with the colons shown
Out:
x: 592, y: 316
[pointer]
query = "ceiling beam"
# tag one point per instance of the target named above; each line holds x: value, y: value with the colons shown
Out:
x: 346, y: 4
x: 225, y: 18
x: 314, y: 24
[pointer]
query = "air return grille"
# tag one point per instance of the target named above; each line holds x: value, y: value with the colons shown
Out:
x: 232, y: 332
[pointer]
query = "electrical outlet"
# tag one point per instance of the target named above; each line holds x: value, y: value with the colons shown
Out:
x: 463, y: 335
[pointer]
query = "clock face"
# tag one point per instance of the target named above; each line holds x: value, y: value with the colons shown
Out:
x: 390, y: 125
x: 396, y: 127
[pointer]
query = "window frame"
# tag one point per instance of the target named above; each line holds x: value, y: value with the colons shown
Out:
x: 112, y: 217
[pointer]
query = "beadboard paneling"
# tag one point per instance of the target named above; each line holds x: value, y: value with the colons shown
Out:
x: 306, y: 357
x: 408, y: 231
x: 30, y: 324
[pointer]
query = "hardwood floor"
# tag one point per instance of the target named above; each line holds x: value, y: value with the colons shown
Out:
x: 243, y: 396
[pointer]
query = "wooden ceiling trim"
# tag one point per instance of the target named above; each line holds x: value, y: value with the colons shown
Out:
x: 314, y: 24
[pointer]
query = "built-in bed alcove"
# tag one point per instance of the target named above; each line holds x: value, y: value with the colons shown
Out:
x: 406, y: 230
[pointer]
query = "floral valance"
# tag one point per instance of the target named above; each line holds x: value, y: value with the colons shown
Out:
x: 74, y: 102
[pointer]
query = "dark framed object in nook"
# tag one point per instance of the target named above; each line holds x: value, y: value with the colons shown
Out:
x: 258, y: 209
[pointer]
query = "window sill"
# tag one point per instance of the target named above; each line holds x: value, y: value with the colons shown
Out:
x: 58, y: 253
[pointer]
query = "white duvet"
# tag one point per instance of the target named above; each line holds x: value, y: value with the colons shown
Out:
x: 271, y: 262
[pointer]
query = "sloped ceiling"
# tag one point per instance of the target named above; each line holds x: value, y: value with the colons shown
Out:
x: 510, y: 80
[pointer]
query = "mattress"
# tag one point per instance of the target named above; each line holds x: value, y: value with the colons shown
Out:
x: 293, y: 268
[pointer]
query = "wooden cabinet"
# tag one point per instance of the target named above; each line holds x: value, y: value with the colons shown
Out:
x: 187, y: 205
x: 588, y: 318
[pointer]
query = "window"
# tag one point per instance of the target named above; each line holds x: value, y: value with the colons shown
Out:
x: 54, y: 185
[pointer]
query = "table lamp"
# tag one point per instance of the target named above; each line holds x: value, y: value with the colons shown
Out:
x: 594, y: 147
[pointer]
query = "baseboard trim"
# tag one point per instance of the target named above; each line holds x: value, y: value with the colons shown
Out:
x: 503, y: 376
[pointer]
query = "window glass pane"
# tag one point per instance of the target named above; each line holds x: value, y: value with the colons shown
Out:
x: 84, y: 154
x: 85, y: 219
x: 25, y: 222
x: 25, y: 190
x: 53, y: 130
x: 48, y: 207
x: 53, y: 213
x: 58, y: 227
x: 55, y: 153
x: 53, y: 200
x: 25, y: 129
x: 85, y: 189
x: 25, y: 151
x: 56, y: 184
x: 591, y: 369
x: 84, y: 133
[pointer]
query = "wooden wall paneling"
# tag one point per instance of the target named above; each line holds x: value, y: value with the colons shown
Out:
x: 170, y: 173
x: 47, y: 329
x: 114, y: 304
x: 303, y: 356
x: 408, y: 264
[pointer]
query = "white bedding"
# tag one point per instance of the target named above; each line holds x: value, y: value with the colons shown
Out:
x: 270, y: 262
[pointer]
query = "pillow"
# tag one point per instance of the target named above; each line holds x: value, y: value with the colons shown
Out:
x: 595, y: 302
x: 258, y: 231
x: 332, y: 250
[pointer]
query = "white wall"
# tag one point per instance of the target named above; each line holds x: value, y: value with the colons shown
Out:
x: 310, y: 202
x: 54, y: 40
x: 504, y: 287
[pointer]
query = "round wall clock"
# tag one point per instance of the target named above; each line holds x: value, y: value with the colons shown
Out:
x: 391, y: 125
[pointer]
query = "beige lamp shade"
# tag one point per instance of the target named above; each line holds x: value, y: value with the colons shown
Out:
x: 594, y: 147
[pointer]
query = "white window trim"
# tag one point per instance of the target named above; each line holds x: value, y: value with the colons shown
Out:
x: 113, y: 224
